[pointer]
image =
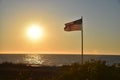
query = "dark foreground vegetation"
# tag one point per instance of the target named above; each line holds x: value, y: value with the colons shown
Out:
x: 91, y: 70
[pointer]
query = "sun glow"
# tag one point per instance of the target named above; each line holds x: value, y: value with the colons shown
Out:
x: 34, y: 32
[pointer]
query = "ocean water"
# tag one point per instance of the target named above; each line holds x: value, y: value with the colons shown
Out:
x: 55, y: 59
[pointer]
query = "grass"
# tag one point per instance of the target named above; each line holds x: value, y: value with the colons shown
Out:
x: 90, y: 70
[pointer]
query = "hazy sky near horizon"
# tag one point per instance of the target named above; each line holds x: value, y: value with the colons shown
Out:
x: 101, y: 23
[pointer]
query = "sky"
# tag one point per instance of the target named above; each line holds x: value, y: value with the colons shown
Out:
x: 101, y: 26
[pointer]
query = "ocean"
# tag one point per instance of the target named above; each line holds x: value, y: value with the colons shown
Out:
x: 55, y: 59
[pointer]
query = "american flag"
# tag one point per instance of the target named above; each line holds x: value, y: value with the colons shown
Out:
x: 74, y: 25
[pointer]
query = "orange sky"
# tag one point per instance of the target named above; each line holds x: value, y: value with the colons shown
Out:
x: 100, y: 23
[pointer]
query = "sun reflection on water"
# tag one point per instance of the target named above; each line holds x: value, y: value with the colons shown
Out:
x: 33, y: 59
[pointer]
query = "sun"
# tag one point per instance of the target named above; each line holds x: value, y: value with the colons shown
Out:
x: 34, y: 32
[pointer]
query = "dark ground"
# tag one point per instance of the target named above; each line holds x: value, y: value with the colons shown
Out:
x: 91, y: 70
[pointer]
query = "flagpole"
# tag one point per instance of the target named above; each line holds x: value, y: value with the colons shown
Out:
x: 82, y: 41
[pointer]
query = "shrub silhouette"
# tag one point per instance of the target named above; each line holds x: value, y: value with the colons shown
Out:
x: 90, y: 70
